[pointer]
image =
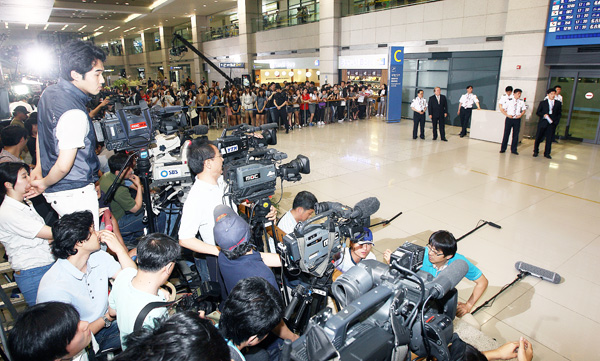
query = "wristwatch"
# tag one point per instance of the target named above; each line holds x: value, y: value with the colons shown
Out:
x: 107, y: 322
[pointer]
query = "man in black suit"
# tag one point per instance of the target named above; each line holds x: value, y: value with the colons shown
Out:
x: 438, y: 111
x: 549, y: 112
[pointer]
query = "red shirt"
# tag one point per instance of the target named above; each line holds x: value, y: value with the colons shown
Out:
x: 305, y: 97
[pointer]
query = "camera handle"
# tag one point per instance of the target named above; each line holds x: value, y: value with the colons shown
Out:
x: 143, y: 167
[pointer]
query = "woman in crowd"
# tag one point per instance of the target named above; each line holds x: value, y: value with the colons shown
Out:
x: 260, y: 104
x: 23, y: 233
x: 297, y: 98
x: 235, y: 106
x: 382, y: 100
x: 247, y: 100
x: 201, y: 103
x: 290, y: 108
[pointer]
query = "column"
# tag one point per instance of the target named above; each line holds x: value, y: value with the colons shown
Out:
x: 199, y: 25
x: 329, y: 40
x: 248, y: 13
x: 131, y: 75
x: 147, y: 47
x: 166, y: 37
x: 524, y: 46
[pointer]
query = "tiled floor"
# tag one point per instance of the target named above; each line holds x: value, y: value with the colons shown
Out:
x: 549, y: 211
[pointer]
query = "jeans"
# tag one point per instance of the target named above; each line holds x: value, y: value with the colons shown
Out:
x: 109, y: 338
x: 29, y: 281
x: 132, y: 227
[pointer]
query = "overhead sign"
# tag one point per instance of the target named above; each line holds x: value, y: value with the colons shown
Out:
x: 375, y: 61
x: 394, y: 97
x: 232, y: 65
x: 573, y: 22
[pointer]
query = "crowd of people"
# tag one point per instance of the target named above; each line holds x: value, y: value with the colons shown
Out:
x: 65, y: 267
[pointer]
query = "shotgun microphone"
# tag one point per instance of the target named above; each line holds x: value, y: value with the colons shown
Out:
x: 494, y: 225
x: 538, y: 272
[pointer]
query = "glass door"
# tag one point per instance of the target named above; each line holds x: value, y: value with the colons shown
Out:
x: 567, y: 84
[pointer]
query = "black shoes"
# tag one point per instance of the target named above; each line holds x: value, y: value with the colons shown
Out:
x: 434, y: 138
x: 515, y: 153
x: 422, y: 137
x: 444, y: 139
x: 535, y: 154
x: 547, y: 156
x: 414, y: 137
x: 502, y: 151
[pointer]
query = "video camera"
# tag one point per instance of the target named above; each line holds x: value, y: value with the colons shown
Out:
x: 249, y: 168
x: 129, y: 128
x: 392, y: 309
x: 312, y: 246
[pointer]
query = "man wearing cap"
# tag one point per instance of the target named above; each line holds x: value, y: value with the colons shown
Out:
x: 238, y: 260
x: 358, y: 250
x: 20, y: 115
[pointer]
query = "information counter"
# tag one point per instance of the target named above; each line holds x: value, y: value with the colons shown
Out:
x: 488, y: 125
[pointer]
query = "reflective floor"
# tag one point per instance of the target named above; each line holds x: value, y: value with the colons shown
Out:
x: 549, y: 211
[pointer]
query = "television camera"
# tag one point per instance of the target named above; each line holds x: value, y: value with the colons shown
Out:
x: 393, y: 309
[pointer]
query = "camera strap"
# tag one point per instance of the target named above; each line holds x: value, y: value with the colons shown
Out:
x: 139, y: 321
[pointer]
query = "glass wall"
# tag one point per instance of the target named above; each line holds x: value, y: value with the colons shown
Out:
x: 184, y: 30
x: 137, y: 46
x: 298, y: 12
x: 355, y: 7
x: 156, y: 41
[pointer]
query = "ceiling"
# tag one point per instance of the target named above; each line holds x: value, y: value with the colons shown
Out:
x: 23, y: 20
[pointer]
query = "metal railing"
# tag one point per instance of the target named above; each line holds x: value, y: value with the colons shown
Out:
x: 227, y: 31
x: 282, y: 19
x: 356, y: 7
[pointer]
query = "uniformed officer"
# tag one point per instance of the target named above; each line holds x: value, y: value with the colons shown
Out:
x: 513, y: 109
x: 465, y: 108
x: 419, y: 106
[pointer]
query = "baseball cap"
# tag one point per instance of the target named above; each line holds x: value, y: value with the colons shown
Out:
x: 20, y: 109
x: 230, y: 229
x: 365, y: 237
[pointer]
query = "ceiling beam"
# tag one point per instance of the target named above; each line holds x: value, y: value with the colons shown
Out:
x: 101, y: 8
x: 54, y: 20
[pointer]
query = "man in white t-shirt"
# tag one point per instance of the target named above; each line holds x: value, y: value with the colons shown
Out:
x: 358, y: 250
x: 67, y: 165
x: 134, y: 289
x: 302, y: 209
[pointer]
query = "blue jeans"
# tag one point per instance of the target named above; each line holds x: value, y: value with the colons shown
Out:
x: 132, y: 227
x: 109, y: 338
x: 29, y: 280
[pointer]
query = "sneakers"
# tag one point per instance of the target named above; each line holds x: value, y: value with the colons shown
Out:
x: 341, y: 121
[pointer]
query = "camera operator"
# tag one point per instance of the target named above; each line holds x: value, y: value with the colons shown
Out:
x: 251, y: 311
x: 126, y: 209
x: 440, y: 253
x: 183, y: 336
x: 67, y: 164
x: 238, y: 260
x: 208, y: 191
x: 359, y: 249
x: 134, y: 289
x: 94, y: 112
x: 48, y: 332
x: 80, y: 275
x: 302, y: 209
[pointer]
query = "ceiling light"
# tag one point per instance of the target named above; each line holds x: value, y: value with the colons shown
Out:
x: 157, y: 3
x: 131, y: 17
x: 26, y: 26
x: 98, y: 28
x: 111, y: 30
x: 129, y: 29
x: 46, y: 27
x: 81, y: 28
x: 64, y: 27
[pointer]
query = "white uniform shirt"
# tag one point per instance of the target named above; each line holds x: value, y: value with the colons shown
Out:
x: 515, y: 107
x: 197, y: 214
x: 558, y: 97
x: 287, y: 223
x: 19, y: 226
x: 503, y: 99
x: 419, y: 103
x: 467, y: 100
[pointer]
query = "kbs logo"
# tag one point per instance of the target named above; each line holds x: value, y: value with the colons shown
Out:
x: 140, y: 125
x: 251, y: 177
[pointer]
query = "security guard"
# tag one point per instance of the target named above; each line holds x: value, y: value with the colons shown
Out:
x: 465, y: 108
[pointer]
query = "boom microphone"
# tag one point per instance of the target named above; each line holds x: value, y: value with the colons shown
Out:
x: 447, y: 279
x: 336, y: 207
x: 365, y: 208
x: 494, y: 225
x: 538, y: 272
x: 200, y: 129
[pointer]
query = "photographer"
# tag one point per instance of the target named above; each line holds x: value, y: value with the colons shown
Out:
x: 441, y: 252
x: 126, y: 209
x: 251, y: 311
x: 67, y: 165
x: 48, y: 332
x: 183, y: 336
x: 208, y: 191
x: 80, y: 275
x: 134, y: 289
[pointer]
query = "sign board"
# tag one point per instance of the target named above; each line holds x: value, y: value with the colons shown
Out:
x: 394, y: 96
x: 232, y: 65
x: 573, y: 22
x: 376, y: 61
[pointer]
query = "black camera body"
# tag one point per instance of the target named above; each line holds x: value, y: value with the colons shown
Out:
x: 129, y: 128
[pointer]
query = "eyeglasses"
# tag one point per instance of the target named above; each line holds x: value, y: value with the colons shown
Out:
x: 433, y: 252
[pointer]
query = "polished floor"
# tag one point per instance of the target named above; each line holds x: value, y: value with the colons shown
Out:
x: 549, y: 211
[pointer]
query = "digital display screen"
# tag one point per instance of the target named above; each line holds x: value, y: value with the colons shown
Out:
x: 573, y: 22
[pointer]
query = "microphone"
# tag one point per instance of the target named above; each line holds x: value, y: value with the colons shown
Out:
x: 447, y: 279
x: 494, y: 225
x: 268, y: 126
x: 538, y: 272
x: 200, y: 129
x: 365, y: 208
x: 336, y: 207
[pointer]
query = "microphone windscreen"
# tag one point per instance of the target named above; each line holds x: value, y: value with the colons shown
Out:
x: 367, y: 207
x: 268, y: 126
x: 448, y: 278
x: 538, y: 272
x: 200, y: 129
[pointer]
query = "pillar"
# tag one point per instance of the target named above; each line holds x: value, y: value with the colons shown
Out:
x: 329, y: 40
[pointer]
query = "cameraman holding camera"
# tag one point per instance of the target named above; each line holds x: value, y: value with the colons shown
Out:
x: 208, y: 191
